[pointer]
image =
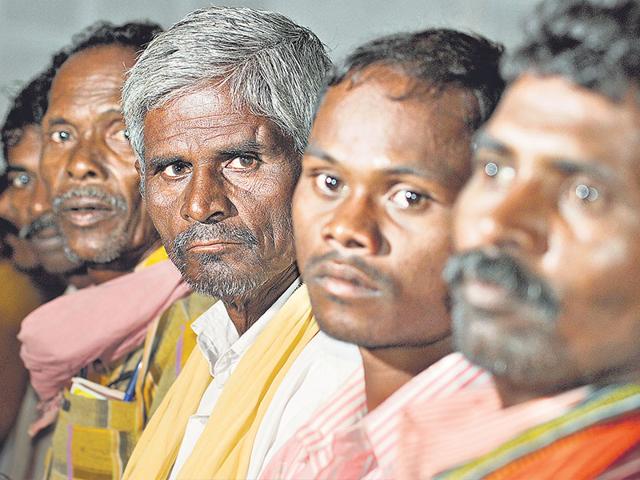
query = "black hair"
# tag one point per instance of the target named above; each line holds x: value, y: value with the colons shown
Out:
x: 27, y: 109
x: 593, y: 43
x: 136, y: 35
x: 439, y: 57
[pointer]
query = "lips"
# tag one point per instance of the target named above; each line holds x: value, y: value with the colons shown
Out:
x: 211, y: 247
x: 85, y: 211
x: 489, y: 297
x: 47, y: 239
x: 345, y: 281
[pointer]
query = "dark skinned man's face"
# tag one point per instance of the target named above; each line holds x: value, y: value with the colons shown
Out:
x: 218, y: 185
x: 548, y: 295
x: 372, y: 209
x: 25, y: 203
x: 87, y: 161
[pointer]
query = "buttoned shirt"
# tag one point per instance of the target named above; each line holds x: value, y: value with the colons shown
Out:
x: 344, y: 440
x: 219, y: 342
x: 318, y: 372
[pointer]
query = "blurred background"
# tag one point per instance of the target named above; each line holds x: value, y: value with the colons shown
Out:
x: 31, y: 30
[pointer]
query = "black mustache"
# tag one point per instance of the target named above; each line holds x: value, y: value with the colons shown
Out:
x: 352, y: 260
x: 504, y: 270
x: 44, y: 221
x: 114, y: 201
x: 201, y: 232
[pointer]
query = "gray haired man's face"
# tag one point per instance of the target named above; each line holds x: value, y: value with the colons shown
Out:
x: 219, y: 184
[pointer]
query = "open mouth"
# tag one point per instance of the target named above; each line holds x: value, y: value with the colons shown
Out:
x: 85, y: 211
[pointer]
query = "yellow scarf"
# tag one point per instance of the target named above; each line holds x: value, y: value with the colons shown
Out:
x: 224, y: 448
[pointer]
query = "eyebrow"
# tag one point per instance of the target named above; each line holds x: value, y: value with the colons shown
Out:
x: 429, y: 174
x: 63, y: 121
x: 244, y: 147
x: 593, y: 168
x: 12, y: 168
x: 481, y: 139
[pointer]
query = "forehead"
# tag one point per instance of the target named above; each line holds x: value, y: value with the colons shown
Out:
x: 205, y: 119
x: 26, y: 153
x: 551, y: 117
x: 371, y: 125
x: 92, y: 75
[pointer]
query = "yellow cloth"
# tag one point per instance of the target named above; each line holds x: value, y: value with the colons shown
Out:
x: 157, y: 256
x: 224, y: 448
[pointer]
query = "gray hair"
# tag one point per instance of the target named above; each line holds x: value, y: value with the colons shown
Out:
x: 272, y: 66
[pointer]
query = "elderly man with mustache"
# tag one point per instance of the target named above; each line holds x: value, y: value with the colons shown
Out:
x: 36, y: 248
x: 546, y: 283
x: 218, y: 109
x: 127, y: 333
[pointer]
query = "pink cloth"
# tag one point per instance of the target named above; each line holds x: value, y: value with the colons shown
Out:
x: 345, y: 441
x: 103, y: 322
x: 437, y: 435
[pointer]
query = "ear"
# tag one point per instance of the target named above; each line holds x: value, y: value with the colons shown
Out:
x: 137, y: 165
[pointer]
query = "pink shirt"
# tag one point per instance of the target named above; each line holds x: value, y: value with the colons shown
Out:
x: 439, y: 434
x: 344, y: 441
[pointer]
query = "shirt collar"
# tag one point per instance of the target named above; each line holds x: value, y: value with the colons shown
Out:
x: 218, y: 337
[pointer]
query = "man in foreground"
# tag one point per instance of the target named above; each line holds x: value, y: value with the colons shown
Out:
x: 219, y: 109
x: 546, y: 283
x: 388, y: 153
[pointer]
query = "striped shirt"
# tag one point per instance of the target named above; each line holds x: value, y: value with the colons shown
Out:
x: 344, y: 441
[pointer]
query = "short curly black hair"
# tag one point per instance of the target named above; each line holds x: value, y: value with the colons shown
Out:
x: 439, y: 57
x: 136, y: 35
x: 593, y: 43
x: 27, y: 108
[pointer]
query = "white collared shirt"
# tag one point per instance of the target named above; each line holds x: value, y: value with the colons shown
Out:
x: 219, y: 342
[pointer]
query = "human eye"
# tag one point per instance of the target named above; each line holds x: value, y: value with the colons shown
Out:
x: 406, y: 198
x: 584, y: 193
x: 494, y: 170
x: 60, y: 136
x: 243, y: 162
x: 21, y: 180
x: 328, y: 184
x: 176, y: 169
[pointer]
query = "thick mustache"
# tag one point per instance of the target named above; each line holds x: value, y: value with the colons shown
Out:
x: 201, y: 232
x: 45, y: 221
x: 114, y: 201
x: 352, y: 260
x: 501, y: 269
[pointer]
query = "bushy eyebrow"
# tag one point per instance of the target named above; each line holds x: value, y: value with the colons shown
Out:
x: 481, y: 139
x: 592, y: 168
x: 426, y: 173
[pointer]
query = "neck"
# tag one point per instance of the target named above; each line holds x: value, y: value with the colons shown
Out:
x: 511, y: 394
x: 246, y: 311
x: 100, y: 273
x: 388, y: 369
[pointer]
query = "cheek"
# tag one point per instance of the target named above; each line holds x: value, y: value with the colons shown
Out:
x: 421, y: 256
x: 164, y: 209
x: 306, y: 224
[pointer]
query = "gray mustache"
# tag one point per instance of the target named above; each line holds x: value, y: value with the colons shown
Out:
x: 505, y: 271
x: 44, y: 221
x: 199, y: 232
x: 114, y: 201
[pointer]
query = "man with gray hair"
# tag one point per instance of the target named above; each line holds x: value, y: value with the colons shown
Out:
x: 218, y: 110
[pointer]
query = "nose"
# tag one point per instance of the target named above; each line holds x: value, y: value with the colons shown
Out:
x: 86, y: 162
x: 205, y: 198
x: 519, y: 221
x: 353, y: 226
x: 39, y: 203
